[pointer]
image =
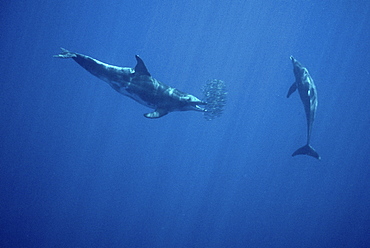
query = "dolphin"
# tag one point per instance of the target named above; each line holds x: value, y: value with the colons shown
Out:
x: 307, y: 91
x: 138, y: 84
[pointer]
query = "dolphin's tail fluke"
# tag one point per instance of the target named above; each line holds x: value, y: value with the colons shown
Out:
x: 65, y: 54
x: 307, y: 150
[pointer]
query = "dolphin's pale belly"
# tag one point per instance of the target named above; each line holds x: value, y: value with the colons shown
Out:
x: 138, y: 98
x: 151, y: 93
x: 308, y: 95
x: 123, y: 88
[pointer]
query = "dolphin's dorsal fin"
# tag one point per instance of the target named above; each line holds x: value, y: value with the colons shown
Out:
x: 140, y: 67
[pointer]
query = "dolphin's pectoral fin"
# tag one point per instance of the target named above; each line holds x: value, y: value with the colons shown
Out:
x: 65, y: 54
x: 292, y: 89
x: 140, y: 67
x: 156, y: 114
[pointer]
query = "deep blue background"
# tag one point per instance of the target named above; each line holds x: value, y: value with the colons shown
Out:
x: 81, y: 167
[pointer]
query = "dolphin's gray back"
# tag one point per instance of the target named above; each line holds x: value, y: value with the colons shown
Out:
x: 106, y: 72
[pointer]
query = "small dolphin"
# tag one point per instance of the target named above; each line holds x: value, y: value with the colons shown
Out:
x: 138, y: 84
x: 307, y: 91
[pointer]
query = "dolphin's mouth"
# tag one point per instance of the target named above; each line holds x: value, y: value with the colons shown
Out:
x: 199, y: 108
x: 294, y: 61
x: 296, y: 64
x: 196, y: 105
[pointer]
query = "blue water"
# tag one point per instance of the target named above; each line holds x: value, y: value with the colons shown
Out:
x: 81, y: 167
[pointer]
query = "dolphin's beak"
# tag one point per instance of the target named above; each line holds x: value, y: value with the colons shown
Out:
x: 193, y: 103
x: 296, y: 63
x: 293, y: 60
x: 198, y: 108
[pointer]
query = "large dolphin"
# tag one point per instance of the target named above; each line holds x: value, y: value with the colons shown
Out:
x: 138, y: 84
x: 307, y: 91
